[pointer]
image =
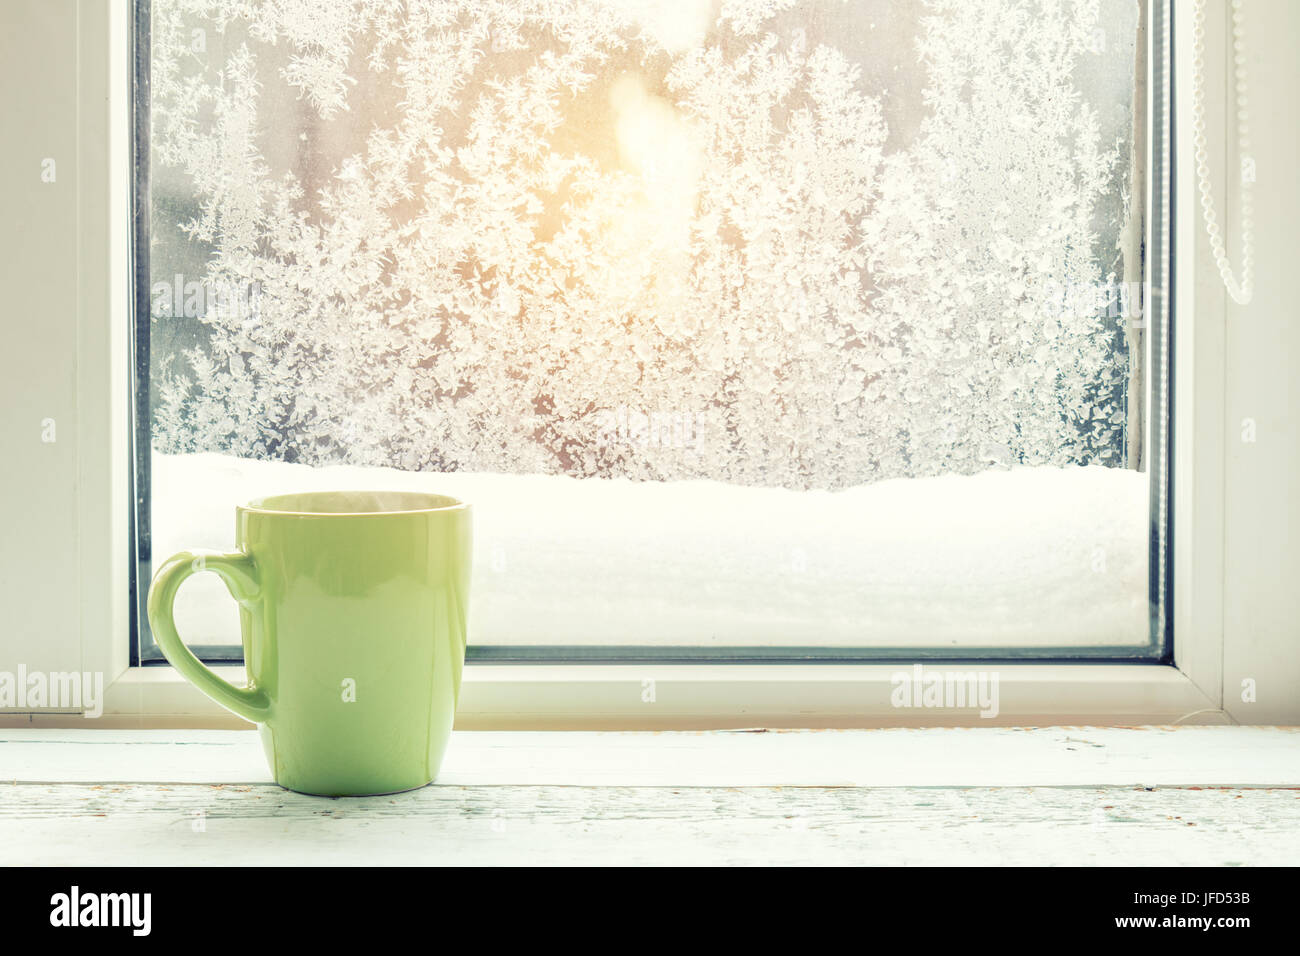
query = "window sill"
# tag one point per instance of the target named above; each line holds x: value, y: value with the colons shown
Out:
x: 895, y: 757
x: 1081, y: 796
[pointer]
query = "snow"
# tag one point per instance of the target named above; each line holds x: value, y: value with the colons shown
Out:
x: 1012, y: 557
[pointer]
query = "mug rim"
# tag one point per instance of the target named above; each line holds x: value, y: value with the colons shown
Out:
x: 267, y: 504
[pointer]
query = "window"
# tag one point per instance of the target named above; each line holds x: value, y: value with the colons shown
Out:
x: 753, y: 329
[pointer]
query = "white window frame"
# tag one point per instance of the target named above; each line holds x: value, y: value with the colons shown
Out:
x: 701, y: 696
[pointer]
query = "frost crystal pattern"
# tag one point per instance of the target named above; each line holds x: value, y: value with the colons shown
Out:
x: 767, y: 242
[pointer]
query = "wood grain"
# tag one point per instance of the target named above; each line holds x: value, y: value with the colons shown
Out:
x: 265, y: 825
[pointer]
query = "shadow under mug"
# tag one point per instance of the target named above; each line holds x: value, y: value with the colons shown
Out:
x: 353, y: 615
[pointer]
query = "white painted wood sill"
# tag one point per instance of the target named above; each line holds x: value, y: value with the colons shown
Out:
x: 1188, y: 795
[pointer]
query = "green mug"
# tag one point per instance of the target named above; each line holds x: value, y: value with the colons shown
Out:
x: 352, y: 611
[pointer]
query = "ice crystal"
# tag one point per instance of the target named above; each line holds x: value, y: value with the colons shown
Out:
x: 479, y: 232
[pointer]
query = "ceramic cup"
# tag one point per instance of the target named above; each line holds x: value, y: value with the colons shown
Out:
x: 352, y: 610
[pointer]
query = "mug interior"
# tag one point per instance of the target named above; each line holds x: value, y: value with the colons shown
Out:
x: 353, y: 503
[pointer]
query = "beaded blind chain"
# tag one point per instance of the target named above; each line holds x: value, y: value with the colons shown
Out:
x: 1241, y: 292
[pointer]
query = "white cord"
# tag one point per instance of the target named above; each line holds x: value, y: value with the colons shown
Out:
x: 1241, y: 292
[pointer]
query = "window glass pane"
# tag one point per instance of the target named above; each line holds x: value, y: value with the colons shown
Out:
x: 798, y: 323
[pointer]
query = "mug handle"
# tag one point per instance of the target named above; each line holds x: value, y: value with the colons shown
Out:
x: 240, y: 574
